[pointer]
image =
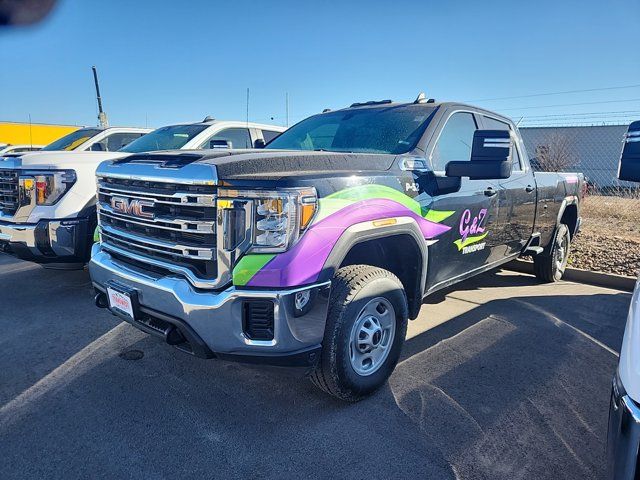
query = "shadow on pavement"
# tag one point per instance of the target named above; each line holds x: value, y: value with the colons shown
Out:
x: 503, y: 391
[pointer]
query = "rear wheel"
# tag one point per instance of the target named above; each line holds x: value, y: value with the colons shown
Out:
x: 364, y: 333
x: 549, y: 266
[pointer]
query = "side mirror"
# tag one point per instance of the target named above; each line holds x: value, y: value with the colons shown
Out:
x: 215, y: 144
x: 629, y: 168
x: 259, y: 143
x: 490, y: 157
x: 97, y: 147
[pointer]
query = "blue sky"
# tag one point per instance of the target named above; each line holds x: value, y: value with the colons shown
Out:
x: 162, y: 62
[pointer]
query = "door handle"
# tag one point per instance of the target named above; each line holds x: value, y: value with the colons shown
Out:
x: 490, y: 192
x: 529, y: 189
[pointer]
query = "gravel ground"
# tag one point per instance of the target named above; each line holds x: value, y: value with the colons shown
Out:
x: 609, y: 240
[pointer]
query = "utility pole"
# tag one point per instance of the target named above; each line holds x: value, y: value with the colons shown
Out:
x: 247, y: 107
x: 286, y: 102
x: 102, y: 117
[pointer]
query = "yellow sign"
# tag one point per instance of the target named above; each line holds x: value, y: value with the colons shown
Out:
x: 14, y: 133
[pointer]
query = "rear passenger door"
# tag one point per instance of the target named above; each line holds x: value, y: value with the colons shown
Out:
x: 471, y: 212
x: 517, y: 194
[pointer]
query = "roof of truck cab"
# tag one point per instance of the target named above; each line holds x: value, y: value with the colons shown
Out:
x: 446, y: 104
x: 232, y: 123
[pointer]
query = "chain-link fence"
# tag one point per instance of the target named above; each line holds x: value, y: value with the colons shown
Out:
x: 610, y: 236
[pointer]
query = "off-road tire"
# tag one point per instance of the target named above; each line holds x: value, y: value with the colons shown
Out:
x: 352, y: 287
x: 546, y: 265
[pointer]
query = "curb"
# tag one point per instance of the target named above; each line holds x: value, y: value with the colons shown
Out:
x: 608, y: 280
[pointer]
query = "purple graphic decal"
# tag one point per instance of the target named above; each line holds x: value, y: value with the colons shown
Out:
x: 304, y: 262
x: 472, y: 226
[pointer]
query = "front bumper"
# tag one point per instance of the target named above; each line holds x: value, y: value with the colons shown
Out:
x: 213, y: 323
x: 623, y: 436
x: 48, y: 241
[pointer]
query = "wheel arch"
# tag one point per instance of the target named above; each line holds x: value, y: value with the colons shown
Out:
x: 569, y: 215
x: 399, y: 248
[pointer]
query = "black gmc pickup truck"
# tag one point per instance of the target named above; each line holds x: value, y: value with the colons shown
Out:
x: 316, y: 250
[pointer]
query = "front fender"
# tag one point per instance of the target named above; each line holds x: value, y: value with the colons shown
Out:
x: 322, y: 248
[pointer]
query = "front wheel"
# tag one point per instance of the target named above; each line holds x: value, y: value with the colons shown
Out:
x: 549, y: 266
x: 365, y: 330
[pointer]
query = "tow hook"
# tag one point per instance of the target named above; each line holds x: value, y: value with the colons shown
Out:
x: 101, y: 300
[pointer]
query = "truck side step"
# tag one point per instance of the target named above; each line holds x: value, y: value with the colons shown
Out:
x: 533, y: 245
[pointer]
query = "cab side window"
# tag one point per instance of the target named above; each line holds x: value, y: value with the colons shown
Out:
x: 118, y: 140
x: 493, y: 124
x: 455, y: 141
x: 269, y: 135
x: 237, y: 138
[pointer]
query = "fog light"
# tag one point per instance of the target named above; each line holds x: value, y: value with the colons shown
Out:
x: 302, y: 298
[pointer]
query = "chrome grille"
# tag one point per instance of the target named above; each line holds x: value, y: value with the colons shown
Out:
x: 9, y: 191
x: 177, y: 227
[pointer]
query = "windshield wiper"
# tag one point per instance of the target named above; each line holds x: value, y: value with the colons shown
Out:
x: 331, y: 151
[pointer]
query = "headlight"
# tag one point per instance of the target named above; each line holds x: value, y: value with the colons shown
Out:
x: 46, y: 186
x: 278, y: 217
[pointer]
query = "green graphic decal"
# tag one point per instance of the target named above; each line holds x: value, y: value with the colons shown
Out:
x: 337, y: 200
x: 251, y: 264
x: 248, y: 266
x: 438, y: 216
x: 469, y: 241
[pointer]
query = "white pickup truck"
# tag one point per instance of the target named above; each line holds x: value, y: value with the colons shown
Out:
x: 89, y: 139
x: 623, y: 439
x: 6, y: 148
x: 47, y: 198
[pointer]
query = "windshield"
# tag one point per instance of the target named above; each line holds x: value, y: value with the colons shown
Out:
x: 73, y: 140
x: 173, y: 137
x: 388, y: 129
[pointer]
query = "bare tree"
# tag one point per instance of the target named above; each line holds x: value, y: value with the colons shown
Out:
x: 556, y: 155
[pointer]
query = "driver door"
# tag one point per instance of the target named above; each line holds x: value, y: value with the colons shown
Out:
x: 471, y: 212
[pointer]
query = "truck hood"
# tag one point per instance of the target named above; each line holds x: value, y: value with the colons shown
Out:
x: 59, y: 160
x: 271, y: 164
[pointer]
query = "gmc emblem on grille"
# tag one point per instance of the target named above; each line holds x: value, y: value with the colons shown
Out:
x: 138, y: 208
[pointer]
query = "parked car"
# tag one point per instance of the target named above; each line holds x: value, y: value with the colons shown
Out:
x: 48, y: 198
x: 94, y: 139
x: 12, y: 149
x: 623, y: 437
x: 316, y: 250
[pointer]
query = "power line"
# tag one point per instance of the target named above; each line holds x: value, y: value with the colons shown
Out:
x: 555, y: 93
x: 572, y: 104
x: 618, y: 112
x: 600, y: 123
x: 594, y: 118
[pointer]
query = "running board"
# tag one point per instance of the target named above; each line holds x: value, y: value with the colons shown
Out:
x: 530, y: 248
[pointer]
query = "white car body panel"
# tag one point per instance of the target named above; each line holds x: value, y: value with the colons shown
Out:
x: 85, y: 162
x: 629, y: 368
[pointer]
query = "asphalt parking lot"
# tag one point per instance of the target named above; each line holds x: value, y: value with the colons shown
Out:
x: 504, y: 378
